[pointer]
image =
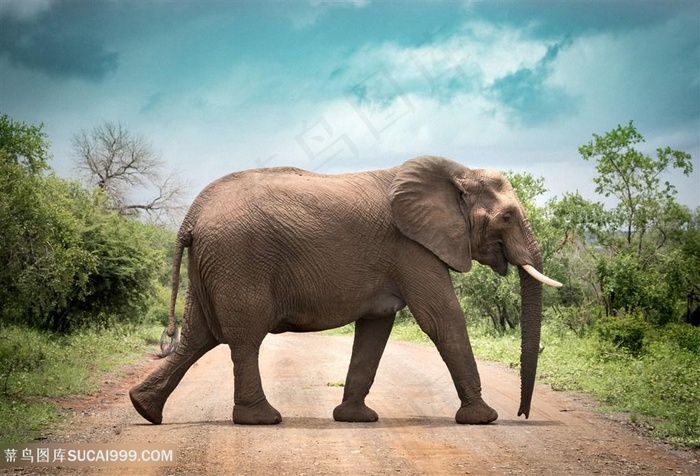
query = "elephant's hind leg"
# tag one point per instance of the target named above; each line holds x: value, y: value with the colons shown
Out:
x: 149, y: 397
x: 250, y: 406
x: 371, y: 336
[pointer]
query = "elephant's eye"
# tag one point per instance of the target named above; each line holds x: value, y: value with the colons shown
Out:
x: 506, y: 218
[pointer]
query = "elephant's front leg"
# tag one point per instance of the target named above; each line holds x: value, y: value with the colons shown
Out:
x: 439, y: 315
x: 371, y: 335
x: 250, y: 407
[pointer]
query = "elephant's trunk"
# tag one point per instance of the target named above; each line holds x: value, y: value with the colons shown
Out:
x: 531, y: 321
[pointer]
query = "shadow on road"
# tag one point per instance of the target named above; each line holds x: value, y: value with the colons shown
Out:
x: 313, y: 423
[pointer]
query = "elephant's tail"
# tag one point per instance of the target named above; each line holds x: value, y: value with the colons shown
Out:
x: 184, y: 240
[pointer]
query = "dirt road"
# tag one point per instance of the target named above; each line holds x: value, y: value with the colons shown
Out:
x: 416, y: 433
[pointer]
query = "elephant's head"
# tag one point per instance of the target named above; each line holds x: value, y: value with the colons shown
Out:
x: 462, y: 214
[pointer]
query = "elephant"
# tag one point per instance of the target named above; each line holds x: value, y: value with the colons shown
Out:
x: 281, y: 249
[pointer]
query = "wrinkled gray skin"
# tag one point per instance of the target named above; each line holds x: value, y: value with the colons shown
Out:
x: 285, y: 250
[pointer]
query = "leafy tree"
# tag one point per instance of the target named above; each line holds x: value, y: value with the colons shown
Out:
x: 486, y: 295
x: 576, y: 224
x: 44, y: 263
x: 129, y: 258
x: 27, y: 231
x: 67, y: 259
x: 645, y: 204
x: 578, y: 219
x: 690, y: 265
x: 24, y: 145
x: 635, y: 243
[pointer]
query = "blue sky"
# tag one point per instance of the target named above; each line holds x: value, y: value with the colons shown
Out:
x: 338, y: 86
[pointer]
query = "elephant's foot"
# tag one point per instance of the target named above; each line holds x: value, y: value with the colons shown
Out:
x: 261, y: 413
x: 477, y: 413
x: 147, y: 406
x: 354, y: 412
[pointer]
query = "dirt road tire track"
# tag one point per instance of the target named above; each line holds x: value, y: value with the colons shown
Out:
x: 416, y: 433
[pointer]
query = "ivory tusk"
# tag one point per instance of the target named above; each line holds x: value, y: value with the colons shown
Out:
x: 541, y: 277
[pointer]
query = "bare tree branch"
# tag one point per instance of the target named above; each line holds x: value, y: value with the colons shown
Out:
x: 124, y: 166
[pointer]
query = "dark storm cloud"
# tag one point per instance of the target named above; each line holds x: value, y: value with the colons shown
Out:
x: 56, y: 43
x: 526, y: 93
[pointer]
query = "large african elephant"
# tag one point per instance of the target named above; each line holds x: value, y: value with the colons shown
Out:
x: 285, y: 250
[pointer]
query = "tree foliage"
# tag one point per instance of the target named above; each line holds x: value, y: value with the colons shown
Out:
x: 633, y: 251
x: 646, y: 209
x: 68, y: 260
x: 23, y: 145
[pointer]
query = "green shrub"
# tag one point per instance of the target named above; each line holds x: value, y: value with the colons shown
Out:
x: 658, y: 388
x: 566, y: 319
x: 68, y: 261
x: 624, y: 331
x: 684, y: 336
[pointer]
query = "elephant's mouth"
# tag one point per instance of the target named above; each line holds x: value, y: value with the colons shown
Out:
x: 501, y: 266
x: 494, y: 256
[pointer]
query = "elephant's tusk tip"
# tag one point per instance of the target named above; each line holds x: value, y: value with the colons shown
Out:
x: 541, y: 277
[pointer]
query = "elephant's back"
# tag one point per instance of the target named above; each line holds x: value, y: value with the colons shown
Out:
x: 277, y: 189
x: 287, y: 205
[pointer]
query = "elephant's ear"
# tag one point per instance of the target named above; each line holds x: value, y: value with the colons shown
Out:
x: 426, y: 206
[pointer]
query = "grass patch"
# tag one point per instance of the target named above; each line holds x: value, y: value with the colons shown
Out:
x: 37, y: 367
x: 405, y: 328
x: 346, y: 330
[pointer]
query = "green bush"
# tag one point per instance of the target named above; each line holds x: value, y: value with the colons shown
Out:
x: 658, y: 388
x: 684, y: 336
x: 68, y: 260
x: 566, y: 319
x: 624, y: 331
x: 129, y: 259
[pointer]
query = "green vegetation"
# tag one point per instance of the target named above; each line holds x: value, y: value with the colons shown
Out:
x: 84, y: 282
x: 69, y: 261
x: 82, y: 288
x: 657, y: 383
x: 38, y: 367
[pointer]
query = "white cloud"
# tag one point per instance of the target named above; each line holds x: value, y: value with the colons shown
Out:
x: 621, y: 75
x: 419, y: 100
x: 434, y: 99
x: 24, y: 9
x: 478, y: 54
